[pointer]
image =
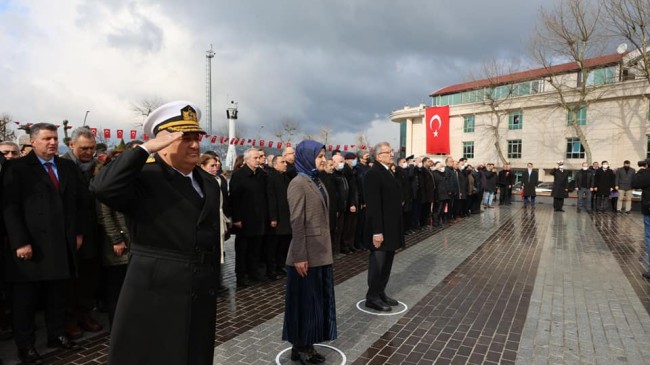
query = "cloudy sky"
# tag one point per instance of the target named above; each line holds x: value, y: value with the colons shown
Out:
x: 341, y: 64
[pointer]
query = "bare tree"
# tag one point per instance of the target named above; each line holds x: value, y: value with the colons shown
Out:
x: 496, y: 93
x: 144, y: 107
x: 286, y: 130
x: 325, y: 133
x: 362, y: 140
x: 7, y: 133
x: 630, y: 20
x: 572, y: 31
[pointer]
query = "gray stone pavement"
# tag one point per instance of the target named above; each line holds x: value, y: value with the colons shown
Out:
x: 415, y: 272
x: 583, y: 309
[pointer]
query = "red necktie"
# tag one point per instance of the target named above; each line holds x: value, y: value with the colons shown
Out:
x: 50, y: 171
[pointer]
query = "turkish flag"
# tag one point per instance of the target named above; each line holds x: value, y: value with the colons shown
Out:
x: 200, y: 137
x: 107, y: 133
x: 288, y: 144
x: 214, y: 139
x: 120, y: 133
x: 437, y: 126
x: 133, y: 134
x: 146, y: 137
x: 223, y: 139
x: 261, y: 143
x: 279, y: 145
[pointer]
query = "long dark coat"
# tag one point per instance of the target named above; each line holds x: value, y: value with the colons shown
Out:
x: 166, y: 312
x: 442, y: 188
x: 428, y: 186
x: 560, y: 183
x: 340, y: 200
x: 248, y: 201
x: 604, y: 181
x: 276, y: 193
x: 35, y: 213
x: 529, y: 182
x: 383, y: 208
x: 403, y: 178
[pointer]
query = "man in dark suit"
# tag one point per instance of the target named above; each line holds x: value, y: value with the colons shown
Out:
x: 279, y: 236
x: 384, y: 226
x: 505, y: 180
x: 249, y: 216
x: 560, y: 186
x: 172, y: 207
x: 42, y: 253
x: 530, y: 179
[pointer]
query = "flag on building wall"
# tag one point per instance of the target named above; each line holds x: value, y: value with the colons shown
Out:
x: 437, y: 129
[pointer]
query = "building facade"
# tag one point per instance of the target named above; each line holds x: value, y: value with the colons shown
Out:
x: 531, y: 116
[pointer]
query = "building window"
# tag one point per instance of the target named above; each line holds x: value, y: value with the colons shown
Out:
x: 468, y: 124
x: 516, y: 120
x: 468, y: 149
x: 574, y: 148
x: 514, y: 148
x: 601, y: 76
x: 581, y: 114
x: 647, y: 154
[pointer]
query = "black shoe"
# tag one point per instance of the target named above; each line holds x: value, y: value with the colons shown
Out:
x: 63, y: 342
x: 377, y: 305
x: 243, y: 283
x: 646, y: 275
x: 307, y: 356
x: 390, y: 301
x: 29, y: 356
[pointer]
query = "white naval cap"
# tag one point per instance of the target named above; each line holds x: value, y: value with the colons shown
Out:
x: 176, y: 116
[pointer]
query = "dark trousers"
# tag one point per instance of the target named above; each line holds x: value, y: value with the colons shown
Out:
x: 440, y: 211
x: 114, y: 279
x: 379, y: 265
x: 82, y: 293
x: 26, y: 297
x: 415, y: 214
x: 558, y: 203
x: 275, y: 252
x: 425, y: 214
x: 451, y: 204
x: 505, y: 195
x: 247, y: 256
x: 406, y: 218
x: 348, y: 231
x: 601, y: 202
x: 358, y: 232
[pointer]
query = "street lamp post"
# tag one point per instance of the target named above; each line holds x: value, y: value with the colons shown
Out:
x: 231, y: 113
x: 86, y: 116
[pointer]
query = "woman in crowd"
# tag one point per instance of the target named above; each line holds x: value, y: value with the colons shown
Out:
x: 310, y: 313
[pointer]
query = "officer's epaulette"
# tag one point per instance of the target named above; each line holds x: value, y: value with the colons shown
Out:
x: 151, y: 159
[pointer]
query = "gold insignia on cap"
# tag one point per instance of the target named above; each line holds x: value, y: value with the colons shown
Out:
x: 189, y: 113
x: 186, y: 122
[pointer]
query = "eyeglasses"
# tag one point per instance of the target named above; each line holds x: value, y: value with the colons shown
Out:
x: 15, y: 153
x: 390, y: 152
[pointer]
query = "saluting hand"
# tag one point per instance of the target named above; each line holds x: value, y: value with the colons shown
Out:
x: 24, y: 252
x: 162, y: 140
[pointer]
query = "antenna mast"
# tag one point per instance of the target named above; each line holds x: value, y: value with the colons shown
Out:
x: 208, y: 89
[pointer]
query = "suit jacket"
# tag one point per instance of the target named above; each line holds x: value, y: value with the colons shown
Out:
x: 383, y: 208
x: 174, y: 267
x: 428, y: 186
x: 310, y: 230
x: 248, y: 201
x: 276, y: 192
x: 529, y: 182
x: 604, y: 181
x: 35, y: 213
x: 505, y: 178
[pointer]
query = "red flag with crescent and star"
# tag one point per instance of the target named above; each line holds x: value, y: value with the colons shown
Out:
x: 437, y: 124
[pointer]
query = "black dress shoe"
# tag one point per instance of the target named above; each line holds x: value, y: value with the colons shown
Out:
x: 63, y: 342
x: 29, y: 356
x: 307, y: 356
x: 390, y: 301
x: 377, y: 305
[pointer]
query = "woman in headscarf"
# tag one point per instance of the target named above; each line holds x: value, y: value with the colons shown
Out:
x: 310, y: 313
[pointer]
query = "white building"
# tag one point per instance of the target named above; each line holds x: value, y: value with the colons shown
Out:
x: 532, y: 120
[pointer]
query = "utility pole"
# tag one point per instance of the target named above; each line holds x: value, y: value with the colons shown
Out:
x: 209, y: 54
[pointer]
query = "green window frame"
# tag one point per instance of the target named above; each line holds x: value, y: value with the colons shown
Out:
x: 516, y: 120
x: 468, y: 124
x: 574, y: 149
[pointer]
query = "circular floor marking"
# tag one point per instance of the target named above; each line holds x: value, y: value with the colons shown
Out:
x: 391, y: 313
x: 343, y: 361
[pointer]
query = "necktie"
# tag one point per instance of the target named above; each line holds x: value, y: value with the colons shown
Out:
x: 50, y: 171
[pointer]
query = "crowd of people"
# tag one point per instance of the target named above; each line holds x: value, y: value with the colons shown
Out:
x: 70, y: 221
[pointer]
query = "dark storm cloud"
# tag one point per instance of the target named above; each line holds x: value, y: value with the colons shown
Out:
x: 353, y: 60
x: 142, y: 35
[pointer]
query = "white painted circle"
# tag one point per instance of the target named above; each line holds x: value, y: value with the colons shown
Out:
x: 382, y: 314
x: 345, y: 359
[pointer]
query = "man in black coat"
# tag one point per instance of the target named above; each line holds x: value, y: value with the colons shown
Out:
x: 530, y: 179
x: 604, y: 183
x: 249, y: 216
x: 81, y: 297
x: 42, y: 205
x: 505, y: 180
x: 560, y: 186
x: 584, y: 187
x: 407, y: 201
x: 384, y: 228
x: 641, y: 180
x: 279, y: 236
x: 428, y: 192
x: 172, y: 207
x: 340, y: 200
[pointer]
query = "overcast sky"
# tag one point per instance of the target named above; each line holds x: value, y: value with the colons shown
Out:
x: 344, y: 64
